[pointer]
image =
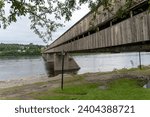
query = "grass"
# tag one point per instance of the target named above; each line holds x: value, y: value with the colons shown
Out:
x: 78, y: 88
x: 120, y: 89
x: 123, y: 89
x: 69, y: 93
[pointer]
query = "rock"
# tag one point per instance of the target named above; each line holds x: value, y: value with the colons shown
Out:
x: 103, y: 87
x: 44, y: 86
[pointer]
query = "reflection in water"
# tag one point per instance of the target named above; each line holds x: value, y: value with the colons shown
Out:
x: 49, y: 66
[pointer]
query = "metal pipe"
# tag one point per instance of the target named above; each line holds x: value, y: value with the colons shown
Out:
x: 62, y: 77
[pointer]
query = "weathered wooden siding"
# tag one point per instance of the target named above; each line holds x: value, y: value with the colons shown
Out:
x: 134, y: 29
x: 84, y: 24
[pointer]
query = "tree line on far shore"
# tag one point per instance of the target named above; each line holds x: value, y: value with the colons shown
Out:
x: 20, y: 49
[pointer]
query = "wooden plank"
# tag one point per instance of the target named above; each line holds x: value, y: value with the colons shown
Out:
x: 105, y: 38
x: 145, y: 27
x: 116, y: 30
x: 93, y: 40
x: 128, y: 30
x: 112, y: 36
x: 86, y: 41
x: 108, y: 37
x: 101, y: 39
x: 90, y: 41
x: 148, y: 24
x: 96, y: 40
x: 119, y: 34
x: 133, y: 29
x: 139, y: 27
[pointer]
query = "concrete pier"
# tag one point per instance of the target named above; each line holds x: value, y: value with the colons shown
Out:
x: 56, y: 60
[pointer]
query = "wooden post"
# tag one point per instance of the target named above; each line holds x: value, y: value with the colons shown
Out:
x: 140, y: 63
x: 62, y: 71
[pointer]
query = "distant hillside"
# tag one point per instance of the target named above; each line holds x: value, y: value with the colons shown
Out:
x: 20, y: 50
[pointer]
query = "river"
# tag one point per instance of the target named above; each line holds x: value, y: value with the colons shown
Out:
x: 23, y: 67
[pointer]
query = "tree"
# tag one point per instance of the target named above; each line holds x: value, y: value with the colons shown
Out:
x: 45, y: 15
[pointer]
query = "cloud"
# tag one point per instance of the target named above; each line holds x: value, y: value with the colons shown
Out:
x: 20, y: 32
x: 77, y: 15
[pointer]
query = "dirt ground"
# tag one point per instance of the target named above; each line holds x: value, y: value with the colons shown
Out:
x: 22, y: 87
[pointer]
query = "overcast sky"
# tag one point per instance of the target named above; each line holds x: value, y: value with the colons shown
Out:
x: 20, y: 32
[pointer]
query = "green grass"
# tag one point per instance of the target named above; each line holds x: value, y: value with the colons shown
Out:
x: 78, y: 87
x: 120, y: 89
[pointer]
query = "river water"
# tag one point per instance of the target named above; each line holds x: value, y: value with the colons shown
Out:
x: 23, y: 67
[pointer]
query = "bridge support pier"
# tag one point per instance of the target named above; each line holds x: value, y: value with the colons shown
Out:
x: 69, y: 63
x: 55, y: 59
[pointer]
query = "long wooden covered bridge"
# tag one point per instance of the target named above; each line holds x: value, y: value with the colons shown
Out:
x: 105, y: 33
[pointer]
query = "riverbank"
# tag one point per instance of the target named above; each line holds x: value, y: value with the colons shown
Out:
x: 119, y: 84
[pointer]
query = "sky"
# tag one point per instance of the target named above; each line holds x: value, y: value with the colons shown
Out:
x: 20, y: 32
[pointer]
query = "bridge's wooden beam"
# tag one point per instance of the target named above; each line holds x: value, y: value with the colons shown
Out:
x: 134, y: 29
x: 83, y: 25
